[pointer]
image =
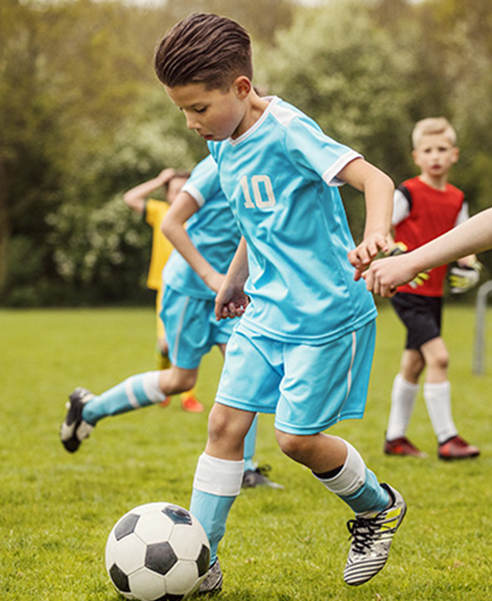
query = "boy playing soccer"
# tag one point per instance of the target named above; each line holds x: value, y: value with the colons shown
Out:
x: 425, y: 207
x: 303, y: 348
x: 153, y: 212
x: 207, y: 246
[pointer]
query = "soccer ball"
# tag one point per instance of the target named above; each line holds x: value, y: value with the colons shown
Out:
x: 157, y: 552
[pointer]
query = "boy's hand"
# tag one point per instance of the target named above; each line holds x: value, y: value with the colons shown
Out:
x: 230, y: 302
x: 362, y: 256
x: 385, y: 275
x: 166, y: 175
x: 400, y: 249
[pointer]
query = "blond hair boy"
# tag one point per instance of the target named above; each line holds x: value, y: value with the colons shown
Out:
x: 426, y: 207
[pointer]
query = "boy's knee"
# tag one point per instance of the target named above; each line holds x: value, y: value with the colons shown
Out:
x: 439, y: 361
x: 178, y: 380
x: 292, y: 445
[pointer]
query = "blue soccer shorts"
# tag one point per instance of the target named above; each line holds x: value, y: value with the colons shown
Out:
x: 191, y: 328
x: 308, y: 388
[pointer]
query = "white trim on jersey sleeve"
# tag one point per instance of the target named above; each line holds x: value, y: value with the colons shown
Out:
x: 194, y: 192
x: 401, y: 207
x: 330, y: 175
x: 463, y: 215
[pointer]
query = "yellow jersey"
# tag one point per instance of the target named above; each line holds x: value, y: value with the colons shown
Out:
x: 161, y: 247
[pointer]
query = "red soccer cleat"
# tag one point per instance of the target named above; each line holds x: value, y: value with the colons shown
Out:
x: 403, y: 447
x: 457, y: 448
x: 166, y: 402
x: 191, y: 405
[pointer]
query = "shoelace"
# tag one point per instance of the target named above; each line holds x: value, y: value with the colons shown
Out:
x: 363, y: 531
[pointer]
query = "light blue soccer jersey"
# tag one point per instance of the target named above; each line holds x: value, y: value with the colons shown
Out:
x: 280, y: 180
x: 212, y: 229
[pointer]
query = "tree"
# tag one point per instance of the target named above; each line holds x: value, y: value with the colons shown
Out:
x: 335, y: 64
x: 70, y: 74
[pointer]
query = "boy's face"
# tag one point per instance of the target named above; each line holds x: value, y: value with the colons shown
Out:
x: 213, y: 114
x: 435, y: 155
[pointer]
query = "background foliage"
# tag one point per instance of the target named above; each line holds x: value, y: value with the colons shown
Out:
x: 83, y: 118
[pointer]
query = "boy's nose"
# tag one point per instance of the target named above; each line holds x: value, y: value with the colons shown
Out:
x: 191, y: 122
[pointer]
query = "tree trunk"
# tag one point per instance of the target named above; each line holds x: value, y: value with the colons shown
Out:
x: 5, y: 228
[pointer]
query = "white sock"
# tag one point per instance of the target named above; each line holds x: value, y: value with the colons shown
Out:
x: 219, y: 477
x: 150, y: 381
x: 403, y: 398
x: 351, y: 477
x: 438, y: 401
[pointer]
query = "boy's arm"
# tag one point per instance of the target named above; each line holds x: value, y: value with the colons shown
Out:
x: 378, y: 191
x: 173, y: 227
x: 231, y: 301
x: 135, y: 197
x: 472, y: 236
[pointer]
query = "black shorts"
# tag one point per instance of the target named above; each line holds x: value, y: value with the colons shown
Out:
x: 421, y: 315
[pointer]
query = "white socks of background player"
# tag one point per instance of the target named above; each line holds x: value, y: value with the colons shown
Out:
x: 403, y: 398
x: 438, y: 400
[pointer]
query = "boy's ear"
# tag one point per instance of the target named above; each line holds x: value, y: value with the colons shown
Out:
x: 456, y: 154
x: 242, y: 86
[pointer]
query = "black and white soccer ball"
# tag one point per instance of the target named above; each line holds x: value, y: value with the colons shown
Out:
x: 157, y: 552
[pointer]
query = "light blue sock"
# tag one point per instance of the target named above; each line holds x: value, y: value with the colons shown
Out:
x: 356, y: 485
x: 215, y: 488
x: 135, y: 392
x: 371, y: 496
x: 250, y: 446
x: 211, y: 511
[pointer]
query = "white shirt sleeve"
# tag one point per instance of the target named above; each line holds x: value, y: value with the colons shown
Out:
x: 401, y: 208
x: 463, y: 215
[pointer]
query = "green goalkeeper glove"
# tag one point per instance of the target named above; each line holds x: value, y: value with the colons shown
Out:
x: 464, y: 277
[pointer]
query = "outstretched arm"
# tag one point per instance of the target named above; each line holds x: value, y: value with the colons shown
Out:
x: 231, y: 301
x: 135, y: 197
x: 472, y: 236
x: 378, y: 194
x: 173, y: 227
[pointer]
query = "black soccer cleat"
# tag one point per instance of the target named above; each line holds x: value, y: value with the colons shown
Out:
x: 212, y: 584
x: 75, y: 429
x: 259, y: 477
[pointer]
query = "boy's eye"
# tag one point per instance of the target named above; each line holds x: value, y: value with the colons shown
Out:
x: 200, y: 110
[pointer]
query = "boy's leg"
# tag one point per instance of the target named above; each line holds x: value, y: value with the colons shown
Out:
x: 309, y: 403
x: 250, y: 446
x: 218, y: 478
x: 403, y: 397
x: 437, y: 394
x: 142, y: 390
x: 379, y: 508
x: 255, y: 476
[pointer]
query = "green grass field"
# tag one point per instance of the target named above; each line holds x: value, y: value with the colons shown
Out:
x: 57, y: 509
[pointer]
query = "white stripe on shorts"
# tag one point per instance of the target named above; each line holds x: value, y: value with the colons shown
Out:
x: 178, y: 332
x: 349, y: 374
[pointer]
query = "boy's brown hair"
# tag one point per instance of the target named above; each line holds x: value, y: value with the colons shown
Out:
x: 204, y: 49
x: 433, y: 125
